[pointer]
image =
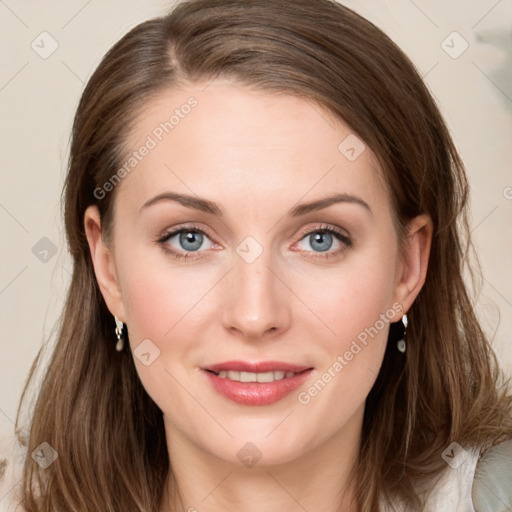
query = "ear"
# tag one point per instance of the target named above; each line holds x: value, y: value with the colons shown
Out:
x: 104, y: 264
x: 413, y: 261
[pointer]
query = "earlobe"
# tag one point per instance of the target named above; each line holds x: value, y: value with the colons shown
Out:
x: 414, y: 259
x: 103, y: 262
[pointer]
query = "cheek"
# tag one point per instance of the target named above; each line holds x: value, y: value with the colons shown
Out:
x: 356, y: 309
x: 148, y: 308
x: 159, y: 307
x: 360, y: 323
x: 151, y: 294
x: 351, y: 359
x: 169, y: 305
x: 351, y: 299
x: 157, y: 292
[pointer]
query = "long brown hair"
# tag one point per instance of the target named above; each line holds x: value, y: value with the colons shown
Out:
x: 92, y: 408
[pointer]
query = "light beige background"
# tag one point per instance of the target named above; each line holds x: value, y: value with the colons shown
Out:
x: 39, y: 96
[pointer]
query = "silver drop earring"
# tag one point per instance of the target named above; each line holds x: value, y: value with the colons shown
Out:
x: 119, y: 334
x: 401, y: 345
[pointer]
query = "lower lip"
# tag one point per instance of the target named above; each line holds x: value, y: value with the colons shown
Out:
x: 257, y: 393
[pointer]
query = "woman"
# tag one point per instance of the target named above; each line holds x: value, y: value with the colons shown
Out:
x: 255, y: 369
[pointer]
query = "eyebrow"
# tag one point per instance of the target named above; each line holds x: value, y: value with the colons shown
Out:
x: 207, y: 206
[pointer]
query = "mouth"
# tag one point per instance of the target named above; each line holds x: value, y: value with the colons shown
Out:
x: 256, y: 383
x: 254, y: 377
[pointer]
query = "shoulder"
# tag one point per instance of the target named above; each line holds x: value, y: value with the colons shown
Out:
x: 11, y: 461
x: 492, y: 485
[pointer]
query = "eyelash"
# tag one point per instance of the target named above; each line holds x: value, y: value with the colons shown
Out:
x: 344, y: 239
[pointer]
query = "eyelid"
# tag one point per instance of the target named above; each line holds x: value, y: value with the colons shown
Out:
x: 168, y: 233
x: 325, y: 227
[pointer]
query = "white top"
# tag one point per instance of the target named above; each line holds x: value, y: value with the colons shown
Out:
x: 452, y: 492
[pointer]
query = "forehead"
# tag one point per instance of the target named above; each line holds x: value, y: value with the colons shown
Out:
x: 250, y: 146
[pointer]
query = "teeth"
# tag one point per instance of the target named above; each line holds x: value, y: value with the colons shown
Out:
x: 255, y: 377
x: 248, y: 377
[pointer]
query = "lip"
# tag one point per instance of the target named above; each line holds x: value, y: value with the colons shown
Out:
x: 256, y: 393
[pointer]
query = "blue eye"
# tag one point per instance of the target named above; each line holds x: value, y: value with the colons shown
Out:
x: 190, y: 240
x: 321, y: 239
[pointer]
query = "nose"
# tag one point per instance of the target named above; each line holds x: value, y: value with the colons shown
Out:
x: 258, y: 301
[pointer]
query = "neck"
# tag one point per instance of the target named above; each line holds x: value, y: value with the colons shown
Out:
x: 316, y: 480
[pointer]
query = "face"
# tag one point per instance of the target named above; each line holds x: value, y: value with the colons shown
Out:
x: 217, y: 266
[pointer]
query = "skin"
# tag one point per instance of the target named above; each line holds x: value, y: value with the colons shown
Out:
x: 257, y: 155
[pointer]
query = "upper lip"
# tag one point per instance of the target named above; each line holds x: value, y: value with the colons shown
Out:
x: 260, y: 367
